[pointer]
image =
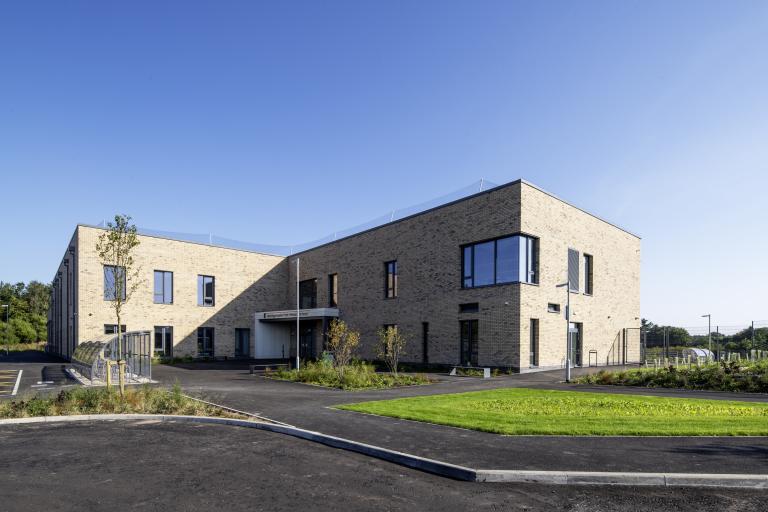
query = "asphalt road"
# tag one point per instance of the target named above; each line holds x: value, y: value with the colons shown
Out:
x: 40, y: 372
x: 175, y: 466
x: 309, y: 407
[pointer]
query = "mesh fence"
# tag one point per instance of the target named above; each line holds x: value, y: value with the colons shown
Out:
x: 287, y: 250
x: 723, y: 341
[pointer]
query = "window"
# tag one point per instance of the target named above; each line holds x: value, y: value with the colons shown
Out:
x: 112, y: 328
x: 242, y: 342
x: 588, y: 282
x: 206, y: 291
x: 553, y: 308
x: 390, y: 284
x: 205, y: 341
x: 112, y: 276
x: 425, y: 342
x: 512, y: 259
x: 308, y: 294
x: 573, y: 269
x: 534, y: 348
x: 469, y: 307
x: 469, y: 342
x: 333, y: 290
x: 164, y: 340
x: 163, y: 287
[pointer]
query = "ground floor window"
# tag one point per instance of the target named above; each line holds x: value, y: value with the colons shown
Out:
x: 425, y: 342
x: 534, y: 348
x: 242, y: 342
x: 112, y: 328
x: 164, y: 340
x: 469, y: 342
x: 575, y: 330
x: 205, y: 341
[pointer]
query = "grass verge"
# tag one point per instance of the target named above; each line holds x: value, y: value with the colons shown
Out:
x: 23, y: 347
x: 355, y: 376
x: 523, y: 411
x: 137, y: 400
x: 737, y: 376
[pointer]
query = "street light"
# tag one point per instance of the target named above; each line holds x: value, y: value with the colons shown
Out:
x: 709, y: 330
x: 7, y: 328
x: 567, y: 285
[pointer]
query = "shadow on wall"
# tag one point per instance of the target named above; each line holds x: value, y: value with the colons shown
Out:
x: 267, y: 293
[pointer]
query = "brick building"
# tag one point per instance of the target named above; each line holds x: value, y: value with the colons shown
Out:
x: 474, y: 281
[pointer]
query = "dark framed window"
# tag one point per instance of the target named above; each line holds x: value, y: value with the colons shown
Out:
x: 206, y: 291
x: 164, y: 340
x: 112, y: 328
x: 553, y: 308
x: 469, y: 342
x: 390, y: 281
x: 205, y: 341
x: 333, y: 290
x: 114, y: 278
x: 511, y: 259
x: 308, y: 293
x: 242, y: 342
x: 163, y: 287
x: 425, y: 342
x: 573, y: 269
x: 588, y: 274
x: 469, y: 307
x: 534, y: 342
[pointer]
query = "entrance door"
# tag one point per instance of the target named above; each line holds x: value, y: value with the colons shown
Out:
x: 576, y: 342
x: 242, y: 342
x: 306, y: 341
x: 164, y: 340
x: 468, y: 342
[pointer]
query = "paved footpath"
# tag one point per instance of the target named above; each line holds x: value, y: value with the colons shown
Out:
x: 308, y: 407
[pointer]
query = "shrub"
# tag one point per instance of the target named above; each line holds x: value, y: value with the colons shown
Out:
x: 357, y: 375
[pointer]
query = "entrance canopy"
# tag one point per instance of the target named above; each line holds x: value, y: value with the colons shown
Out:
x: 304, y: 314
x: 272, y: 337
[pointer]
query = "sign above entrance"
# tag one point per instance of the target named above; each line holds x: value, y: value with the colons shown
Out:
x: 290, y: 314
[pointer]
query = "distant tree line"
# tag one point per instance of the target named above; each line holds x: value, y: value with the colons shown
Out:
x: 28, y: 314
x: 744, y: 339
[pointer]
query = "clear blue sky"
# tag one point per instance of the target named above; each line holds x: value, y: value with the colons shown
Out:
x: 281, y: 122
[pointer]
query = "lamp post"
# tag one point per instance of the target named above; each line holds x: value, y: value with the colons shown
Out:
x: 567, y: 286
x: 298, y: 308
x: 7, y: 328
x: 709, y: 330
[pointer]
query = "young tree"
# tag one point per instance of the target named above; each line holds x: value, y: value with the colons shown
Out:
x: 391, y: 347
x: 115, y: 247
x: 343, y: 342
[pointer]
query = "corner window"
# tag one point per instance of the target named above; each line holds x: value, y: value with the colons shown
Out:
x: 206, y: 289
x: 114, y: 282
x: 588, y: 277
x: 511, y: 259
x: 333, y: 290
x: 390, y: 282
x: 163, y: 287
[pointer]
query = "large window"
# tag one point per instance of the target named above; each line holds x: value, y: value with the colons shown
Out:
x: 390, y: 282
x: 333, y: 290
x: 510, y: 259
x: 114, y: 276
x: 206, y: 290
x: 242, y: 342
x: 588, y: 278
x: 308, y: 294
x: 205, y: 341
x: 163, y: 287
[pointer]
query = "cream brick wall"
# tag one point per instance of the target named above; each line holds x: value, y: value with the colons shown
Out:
x: 246, y: 282
x: 615, y: 304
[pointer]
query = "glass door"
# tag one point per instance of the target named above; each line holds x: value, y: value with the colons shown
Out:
x: 164, y: 341
x: 306, y: 341
x: 469, y: 347
x: 242, y: 342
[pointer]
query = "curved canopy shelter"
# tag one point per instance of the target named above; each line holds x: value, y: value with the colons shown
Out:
x: 699, y: 353
x: 91, y: 357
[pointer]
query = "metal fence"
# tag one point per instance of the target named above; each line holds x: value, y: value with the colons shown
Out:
x: 93, y: 359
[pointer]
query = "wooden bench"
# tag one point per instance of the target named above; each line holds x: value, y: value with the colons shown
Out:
x: 264, y: 367
x: 486, y: 371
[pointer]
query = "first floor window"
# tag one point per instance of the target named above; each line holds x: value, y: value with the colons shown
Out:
x: 573, y: 269
x: 534, y: 342
x: 588, y: 278
x: 205, y: 341
x: 390, y: 281
x: 112, y: 328
x: 163, y: 287
x: 333, y: 290
x: 206, y: 291
x: 308, y: 293
x: 114, y: 282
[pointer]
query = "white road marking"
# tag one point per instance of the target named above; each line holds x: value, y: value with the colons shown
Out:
x: 18, y: 380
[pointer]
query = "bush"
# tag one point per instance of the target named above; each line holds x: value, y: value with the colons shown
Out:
x: 718, y: 376
x: 357, y: 375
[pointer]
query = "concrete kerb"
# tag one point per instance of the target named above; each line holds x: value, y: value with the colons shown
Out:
x: 442, y: 468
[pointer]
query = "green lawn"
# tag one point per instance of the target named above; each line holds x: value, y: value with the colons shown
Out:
x: 530, y: 411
